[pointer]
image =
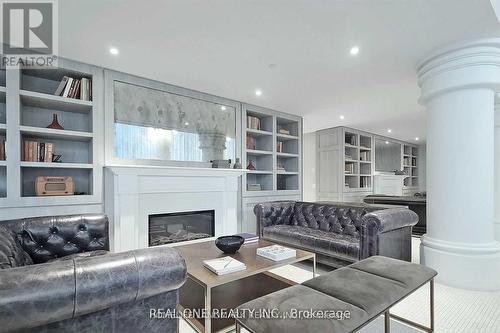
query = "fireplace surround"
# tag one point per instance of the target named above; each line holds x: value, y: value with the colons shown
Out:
x: 133, y: 193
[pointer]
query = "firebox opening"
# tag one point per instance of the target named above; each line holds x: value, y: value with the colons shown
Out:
x: 180, y: 227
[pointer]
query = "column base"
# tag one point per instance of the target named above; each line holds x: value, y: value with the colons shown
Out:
x: 462, y: 265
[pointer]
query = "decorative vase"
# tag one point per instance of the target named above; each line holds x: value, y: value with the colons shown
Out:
x: 237, y: 164
x: 55, y: 123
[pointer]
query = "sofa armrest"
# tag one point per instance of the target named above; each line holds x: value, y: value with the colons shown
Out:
x: 272, y: 213
x: 378, y: 223
x: 35, y: 295
x: 390, y: 219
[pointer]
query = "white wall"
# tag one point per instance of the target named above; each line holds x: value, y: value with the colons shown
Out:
x: 309, y: 158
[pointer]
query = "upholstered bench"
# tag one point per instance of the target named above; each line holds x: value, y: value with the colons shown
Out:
x: 363, y: 290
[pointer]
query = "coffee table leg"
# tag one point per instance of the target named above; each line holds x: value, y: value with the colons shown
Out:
x: 314, y: 266
x: 208, y: 309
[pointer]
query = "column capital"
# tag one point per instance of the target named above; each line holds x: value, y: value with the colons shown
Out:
x: 466, y: 65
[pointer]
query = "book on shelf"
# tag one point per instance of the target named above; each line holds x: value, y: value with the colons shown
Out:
x: 249, y: 237
x: 364, y: 181
x: 251, y: 142
x: 33, y: 151
x: 224, y: 265
x: 253, y: 122
x: 350, y: 140
x: 3, y: 154
x: 279, y: 147
x: 276, y: 252
x: 75, y: 88
x: 364, y: 156
x: 349, y: 168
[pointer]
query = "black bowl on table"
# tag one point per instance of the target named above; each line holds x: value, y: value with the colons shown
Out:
x: 229, y: 244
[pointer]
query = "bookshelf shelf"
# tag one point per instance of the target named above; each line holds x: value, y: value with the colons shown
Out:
x: 49, y: 133
x: 287, y: 173
x: 260, y: 172
x: 2, y: 94
x: 258, y: 152
x: 3, y: 163
x: 46, y: 101
x: 287, y: 155
x: 56, y: 165
x: 286, y: 137
x: 255, y: 132
x: 3, y: 127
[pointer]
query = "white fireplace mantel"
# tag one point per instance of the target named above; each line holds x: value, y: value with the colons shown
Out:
x: 132, y: 193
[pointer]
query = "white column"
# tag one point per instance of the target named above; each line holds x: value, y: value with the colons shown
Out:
x: 497, y: 172
x: 458, y: 87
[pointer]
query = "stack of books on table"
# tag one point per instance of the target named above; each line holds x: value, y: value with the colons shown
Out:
x: 249, y: 237
x: 224, y: 265
x: 276, y: 252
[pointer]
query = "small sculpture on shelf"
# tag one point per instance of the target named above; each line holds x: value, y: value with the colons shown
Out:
x: 237, y: 164
x: 55, y: 123
x: 250, y: 166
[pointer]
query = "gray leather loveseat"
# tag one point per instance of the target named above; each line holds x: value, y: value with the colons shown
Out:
x: 338, y: 233
x: 57, y: 276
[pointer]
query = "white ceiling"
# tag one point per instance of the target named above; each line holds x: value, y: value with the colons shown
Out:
x: 225, y: 47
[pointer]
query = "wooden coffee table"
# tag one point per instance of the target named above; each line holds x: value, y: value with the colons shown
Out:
x: 206, y: 290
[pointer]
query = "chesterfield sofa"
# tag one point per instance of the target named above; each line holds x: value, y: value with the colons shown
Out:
x: 338, y: 233
x: 56, y: 275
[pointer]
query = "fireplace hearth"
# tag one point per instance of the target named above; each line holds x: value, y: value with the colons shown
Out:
x: 180, y: 227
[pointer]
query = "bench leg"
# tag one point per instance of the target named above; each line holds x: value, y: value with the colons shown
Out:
x: 387, y: 322
x: 414, y: 324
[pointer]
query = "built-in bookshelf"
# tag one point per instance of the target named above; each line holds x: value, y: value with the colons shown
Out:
x: 358, y: 163
x: 271, y: 152
x: 272, y: 141
x: 410, y: 165
x: 345, y: 164
x: 28, y: 105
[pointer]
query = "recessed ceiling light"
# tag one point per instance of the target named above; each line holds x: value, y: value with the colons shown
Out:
x: 113, y: 51
x: 342, y: 117
x: 258, y: 92
x: 387, y: 142
x: 223, y: 108
x: 186, y: 123
x: 416, y: 139
x: 354, y: 50
x: 389, y: 131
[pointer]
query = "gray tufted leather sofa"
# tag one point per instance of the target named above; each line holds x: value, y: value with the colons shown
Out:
x: 57, y: 276
x: 338, y: 233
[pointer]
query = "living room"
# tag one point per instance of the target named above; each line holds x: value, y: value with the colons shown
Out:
x: 254, y: 166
